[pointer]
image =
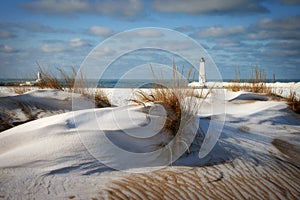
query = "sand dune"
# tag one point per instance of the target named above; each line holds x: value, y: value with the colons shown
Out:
x: 238, y: 179
x: 67, y: 155
x: 18, y: 109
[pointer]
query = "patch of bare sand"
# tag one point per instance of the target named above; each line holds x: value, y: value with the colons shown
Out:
x: 288, y: 149
x: 240, y: 179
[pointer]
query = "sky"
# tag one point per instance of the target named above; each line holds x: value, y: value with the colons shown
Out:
x: 235, y: 33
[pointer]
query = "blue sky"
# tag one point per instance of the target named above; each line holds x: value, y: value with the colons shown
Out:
x: 60, y: 33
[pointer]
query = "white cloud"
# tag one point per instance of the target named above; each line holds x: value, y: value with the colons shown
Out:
x: 282, y: 28
x: 57, y: 6
x: 32, y: 27
x: 285, y: 45
x: 118, y: 8
x: 77, y: 42
x: 227, y: 44
x: 106, y: 51
x: 259, y: 34
x: 209, y: 6
x: 62, y: 46
x: 51, y: 48
x: 6, y: 49
x: 218, y: 31
x: 149, y: 33
x: 287, y: 23
x: 185, y: 28
x: 172, y: 45
x: 98, y: 30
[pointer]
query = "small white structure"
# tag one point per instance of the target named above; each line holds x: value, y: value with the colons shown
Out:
x: 202, y: 78
x: 33, y: 83
x: 39, y: 79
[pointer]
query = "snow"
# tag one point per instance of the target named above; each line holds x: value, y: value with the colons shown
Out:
x: 85, y: 153
x: 278, y: 88
x: 17, y: 109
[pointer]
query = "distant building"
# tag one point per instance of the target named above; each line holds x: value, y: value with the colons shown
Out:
x: 39, y: 79
x: 33, y: 83
x: 202, y: 78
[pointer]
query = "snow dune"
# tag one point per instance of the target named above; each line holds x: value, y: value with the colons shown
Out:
x: 281, y: 89
x: 68, y: 155
x: 17, y: 109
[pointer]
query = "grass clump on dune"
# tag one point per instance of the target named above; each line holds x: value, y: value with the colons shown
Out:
x: 69, y: 83
x: 20, y: 90
x: 61, y: 80
x: 256, y: 83
x: 177, y: 100
x: 294, y: 102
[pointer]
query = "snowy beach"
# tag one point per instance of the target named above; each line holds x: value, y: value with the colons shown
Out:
x: 136, y: 99
x: 58, y: 153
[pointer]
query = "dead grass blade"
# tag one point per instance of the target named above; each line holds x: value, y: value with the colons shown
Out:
x: 70, y: 83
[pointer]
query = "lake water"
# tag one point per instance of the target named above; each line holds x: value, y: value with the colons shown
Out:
x: 124, y: 83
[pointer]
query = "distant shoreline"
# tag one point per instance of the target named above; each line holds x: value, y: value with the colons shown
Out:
x: 135, y: 83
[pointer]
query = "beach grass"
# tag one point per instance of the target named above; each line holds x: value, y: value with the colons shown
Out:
x: 70, y: 83
x: 255, y: 83
x: 20, y: 90
x: 175, y: 97
x: 294, y: 102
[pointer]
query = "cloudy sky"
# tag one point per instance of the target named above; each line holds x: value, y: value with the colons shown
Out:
x: 61, y: 33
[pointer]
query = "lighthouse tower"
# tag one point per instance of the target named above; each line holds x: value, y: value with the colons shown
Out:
x: 202, y: 78
x: 39, y: 79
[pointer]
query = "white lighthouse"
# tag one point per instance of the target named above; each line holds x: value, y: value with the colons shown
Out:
x: 39, y: 79
x: 202, y: 78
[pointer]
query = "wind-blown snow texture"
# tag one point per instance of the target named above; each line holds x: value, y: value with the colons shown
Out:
x: 257, y: 155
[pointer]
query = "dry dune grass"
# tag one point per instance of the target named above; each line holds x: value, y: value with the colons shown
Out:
x: 20, y: 90
x: 262, y: 177
x: 69, y: 83
x: 101, y: 99
x: 176, y: 99
x: 5, y: 120
x: 256, y: 83
x: 30, y: 110
x: 293, y: 102
x: 181, y: 105
x: 50, y: 80
x: 61, y: 81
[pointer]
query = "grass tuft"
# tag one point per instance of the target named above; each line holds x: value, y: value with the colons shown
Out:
x: 69, y: 83
x: 101, y: 100
x: 294, y: 102
x: 178, y: 101
x: 20, y: 90
x: 256, y: 83
x: 53, y: 81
